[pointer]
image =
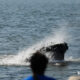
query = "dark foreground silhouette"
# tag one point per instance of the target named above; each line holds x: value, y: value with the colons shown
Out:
x: 38, y: 64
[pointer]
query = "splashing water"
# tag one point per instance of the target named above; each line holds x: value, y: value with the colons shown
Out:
x: 58, y: 36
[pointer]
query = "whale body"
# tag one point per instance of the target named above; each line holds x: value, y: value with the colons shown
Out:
x: 56, y: 51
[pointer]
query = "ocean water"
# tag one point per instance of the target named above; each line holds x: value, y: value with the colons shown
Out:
x: 27, y: 25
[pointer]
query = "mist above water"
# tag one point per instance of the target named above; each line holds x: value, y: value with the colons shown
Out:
x: 58, y: 36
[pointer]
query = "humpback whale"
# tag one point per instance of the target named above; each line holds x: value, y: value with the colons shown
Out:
x: 57, y: 51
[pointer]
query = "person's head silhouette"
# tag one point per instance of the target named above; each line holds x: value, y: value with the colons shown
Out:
x: 38, y: 63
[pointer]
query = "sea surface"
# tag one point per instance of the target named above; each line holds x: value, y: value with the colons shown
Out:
x: 27, y: 25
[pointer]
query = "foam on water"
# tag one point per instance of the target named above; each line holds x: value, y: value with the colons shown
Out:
x: 57, y: 36
x: 71, y: 58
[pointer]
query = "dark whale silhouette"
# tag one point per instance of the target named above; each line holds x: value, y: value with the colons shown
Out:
x: 57, y: 51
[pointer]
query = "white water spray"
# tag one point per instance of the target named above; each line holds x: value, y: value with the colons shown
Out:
x: 58, y: 36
